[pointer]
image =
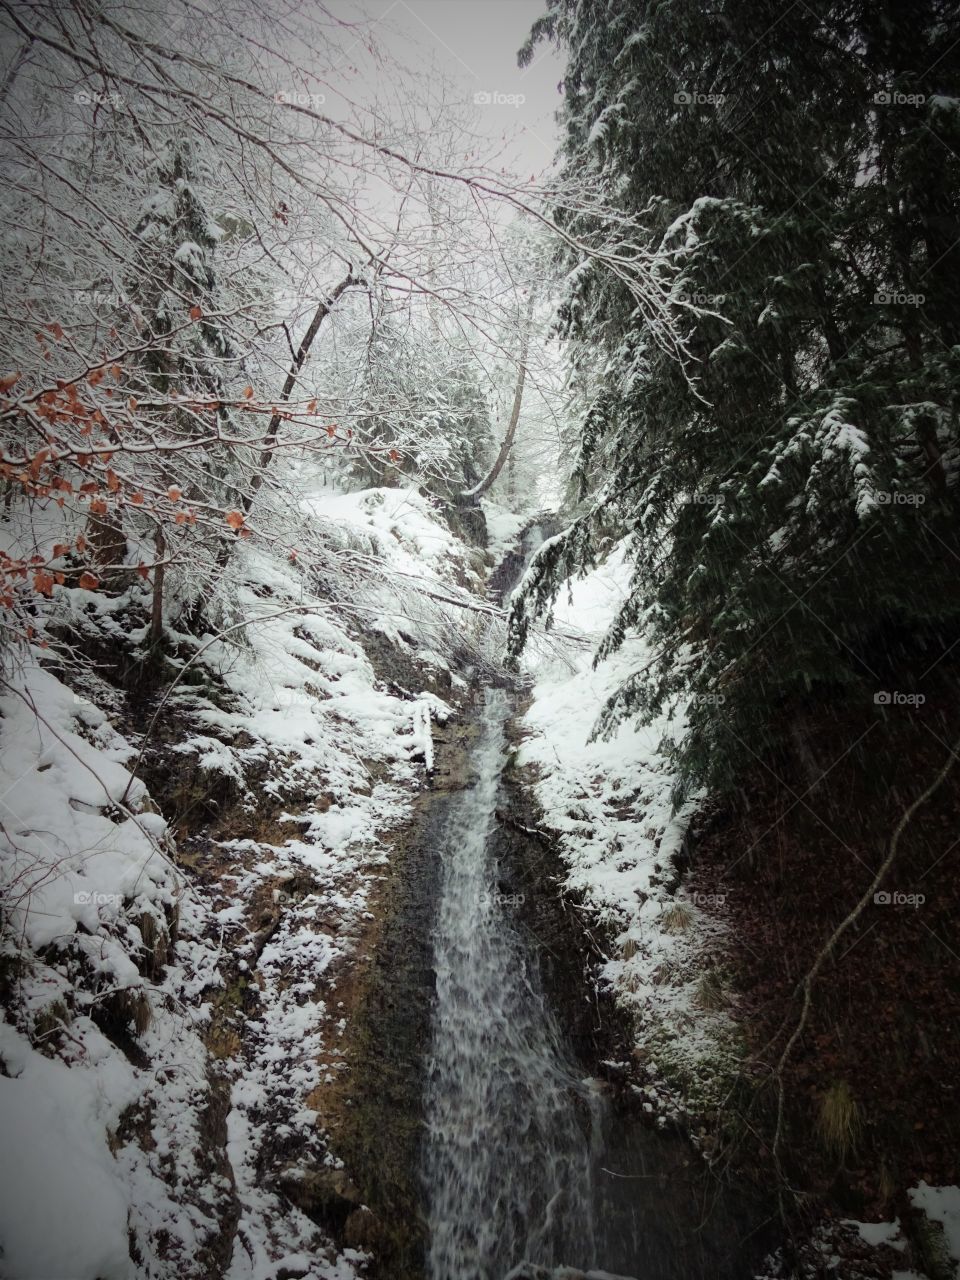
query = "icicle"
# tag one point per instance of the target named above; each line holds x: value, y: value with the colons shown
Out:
x: 422, y: 735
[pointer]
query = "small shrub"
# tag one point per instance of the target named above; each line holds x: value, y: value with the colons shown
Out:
x: 839, y: 1122
x: 677, y: 918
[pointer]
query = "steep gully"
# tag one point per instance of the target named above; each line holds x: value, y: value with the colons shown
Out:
x: 489, y: 1129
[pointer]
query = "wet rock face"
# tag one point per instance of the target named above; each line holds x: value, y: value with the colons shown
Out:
x: 469, y: 521
x: 651, y: 1187
x: 380, y: 1133
x: 510, y: 570
x: 656, y: 1200
x: 530, y: 1271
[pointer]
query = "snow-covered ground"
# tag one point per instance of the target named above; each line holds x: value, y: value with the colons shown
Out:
x: 174, y: 1009
x: 610, y: 803
x: 169, y: 981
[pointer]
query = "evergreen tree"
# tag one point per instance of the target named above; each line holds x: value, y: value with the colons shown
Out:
x: 176, y: 292
x: 181, y: 310
x: 422, y: 404
x: 790, y: 495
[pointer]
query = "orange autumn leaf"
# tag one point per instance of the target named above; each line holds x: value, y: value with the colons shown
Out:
x: 248, y: 393
x: 9, y: 381
x: 56, y: 329
x: 312, y: 407
x: 331, y: 431
x: 173, y: 493
x: 95, y: 377
x: 81, y: 542
x: 98, y: 507
x: 195, y: 313
x: 234, y: 519
x: 89, y: 581
x: 116, y: 371
x: 113, y: 481
x: 143, y: 571
x: 136, y: 499
x: 43, y: 583
x: 60, y: 549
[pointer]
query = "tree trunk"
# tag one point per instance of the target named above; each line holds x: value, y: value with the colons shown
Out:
x: 270, y: 441
x: 159, y: 573
x: 480, y: 489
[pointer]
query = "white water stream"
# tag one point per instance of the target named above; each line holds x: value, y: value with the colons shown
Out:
x: 507, y: 1155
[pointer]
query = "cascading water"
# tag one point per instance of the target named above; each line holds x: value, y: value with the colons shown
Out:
x: 506, y: 1160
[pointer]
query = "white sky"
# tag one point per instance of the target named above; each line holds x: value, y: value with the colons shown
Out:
x: 475, y: 43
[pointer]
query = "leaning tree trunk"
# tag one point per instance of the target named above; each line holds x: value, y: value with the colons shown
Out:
x: 270, y: 439
x: 480, y: 489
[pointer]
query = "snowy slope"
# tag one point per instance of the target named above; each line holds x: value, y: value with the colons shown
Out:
x: 176, y: 1009
x: 610, y: 804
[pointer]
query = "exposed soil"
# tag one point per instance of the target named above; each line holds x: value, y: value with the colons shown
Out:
x: 790, y: 859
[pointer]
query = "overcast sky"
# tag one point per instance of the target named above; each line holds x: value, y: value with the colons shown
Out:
x: 475, y: 43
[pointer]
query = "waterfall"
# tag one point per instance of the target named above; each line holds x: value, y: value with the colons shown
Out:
x: 506, y: 1158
